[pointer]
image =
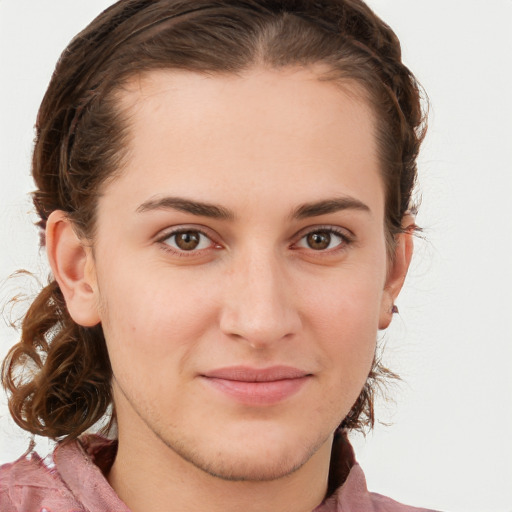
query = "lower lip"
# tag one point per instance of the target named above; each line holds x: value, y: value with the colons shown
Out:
x: 258, y: 393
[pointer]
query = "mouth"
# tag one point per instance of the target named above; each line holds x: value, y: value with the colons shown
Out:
x: 257, y: 386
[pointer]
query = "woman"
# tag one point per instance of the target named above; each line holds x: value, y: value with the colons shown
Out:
x: 225, y: 189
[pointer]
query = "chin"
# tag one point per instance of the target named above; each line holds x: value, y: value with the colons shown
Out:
x: 254, y: 457
x: 250, y: 469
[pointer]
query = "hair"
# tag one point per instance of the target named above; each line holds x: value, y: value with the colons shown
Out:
x: 58, y: 376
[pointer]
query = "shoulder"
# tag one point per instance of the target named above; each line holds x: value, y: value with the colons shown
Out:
x: 75, y: 484
x: 354, y: 496
x: 384, y: 504
x: 28, y: 484
x: 351, y: 493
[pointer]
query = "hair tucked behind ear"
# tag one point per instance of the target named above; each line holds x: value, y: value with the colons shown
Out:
x: 67, y: 389
x: 59, y: 374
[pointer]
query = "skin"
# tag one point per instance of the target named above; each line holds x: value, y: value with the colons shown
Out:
x: 257, y: 291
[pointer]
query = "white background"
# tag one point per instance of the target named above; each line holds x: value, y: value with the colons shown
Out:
x: 450, y: 443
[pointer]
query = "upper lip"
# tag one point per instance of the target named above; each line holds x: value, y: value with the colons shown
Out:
x: 248, y: 374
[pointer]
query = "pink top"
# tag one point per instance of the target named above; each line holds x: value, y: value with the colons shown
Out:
x: 77, y: 482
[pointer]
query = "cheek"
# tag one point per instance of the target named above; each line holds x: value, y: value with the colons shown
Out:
x: 344, y: 315
x: 348, y: 301
x: 153, y: 317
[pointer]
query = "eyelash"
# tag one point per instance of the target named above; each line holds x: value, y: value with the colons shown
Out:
x: 182, y: 253
x: 346, y: 241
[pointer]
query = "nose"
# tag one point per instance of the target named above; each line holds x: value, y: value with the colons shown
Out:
x: 259, y: 303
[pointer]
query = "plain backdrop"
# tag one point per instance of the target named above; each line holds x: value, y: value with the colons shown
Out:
x: 448, y: 443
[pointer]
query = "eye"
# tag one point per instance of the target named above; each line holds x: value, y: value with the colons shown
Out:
x: 323, y: 240
x: 187, y: 240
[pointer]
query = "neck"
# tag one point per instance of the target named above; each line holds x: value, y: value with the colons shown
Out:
x: 148, y: 475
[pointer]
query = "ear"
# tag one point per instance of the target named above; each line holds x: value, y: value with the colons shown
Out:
x: 72, y: 265
x: 397, y: 271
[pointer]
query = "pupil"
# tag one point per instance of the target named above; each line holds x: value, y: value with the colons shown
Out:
x: 187, y: 241
x: 319, y: 240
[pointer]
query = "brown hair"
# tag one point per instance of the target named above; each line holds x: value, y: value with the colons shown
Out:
x: 59, y: 374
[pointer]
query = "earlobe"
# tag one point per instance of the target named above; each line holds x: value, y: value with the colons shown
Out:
x: 72, y: 265
x: 397, y: 271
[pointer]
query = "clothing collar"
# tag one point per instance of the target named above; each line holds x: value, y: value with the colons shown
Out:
x: 94, y: 455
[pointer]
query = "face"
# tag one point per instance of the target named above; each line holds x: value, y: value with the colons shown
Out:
x: 239, y: 266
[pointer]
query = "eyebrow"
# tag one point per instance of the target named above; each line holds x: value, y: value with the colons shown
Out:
x: 188, y: 206
x: 313, y: 209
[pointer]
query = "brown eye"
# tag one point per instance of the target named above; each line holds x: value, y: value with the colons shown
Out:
x: 188, y: 241
x: 323, y: 239
x: 319, y: 240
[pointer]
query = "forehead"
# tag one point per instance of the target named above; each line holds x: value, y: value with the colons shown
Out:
x: 190, y: 131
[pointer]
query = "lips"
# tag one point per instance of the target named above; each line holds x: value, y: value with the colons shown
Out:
x: 246, y: 374
x: 257, y: 386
